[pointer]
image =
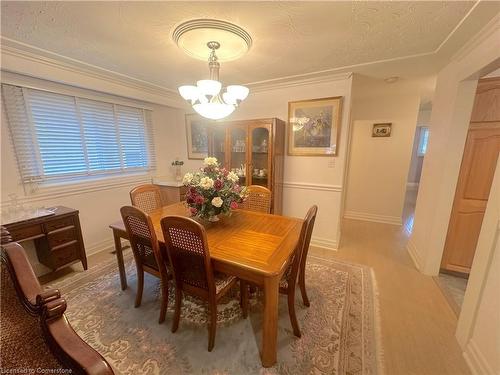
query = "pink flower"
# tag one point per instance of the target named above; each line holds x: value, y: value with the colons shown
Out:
x: 199, y: 199
x: 234, y: 205
x: 193, y: 211
x: 237, y: 188
x: 218, y: 184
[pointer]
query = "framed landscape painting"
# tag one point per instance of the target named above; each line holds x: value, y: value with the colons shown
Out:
x: 197, y: 136
x: 314, y: 126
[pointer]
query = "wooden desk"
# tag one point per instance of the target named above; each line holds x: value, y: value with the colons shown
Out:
x: 252, y: 246
x: 58, y: 238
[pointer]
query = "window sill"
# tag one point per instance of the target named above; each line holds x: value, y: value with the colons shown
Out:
x: 38, y: 192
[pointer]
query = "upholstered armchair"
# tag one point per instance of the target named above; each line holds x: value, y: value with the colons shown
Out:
x: 34, y: 332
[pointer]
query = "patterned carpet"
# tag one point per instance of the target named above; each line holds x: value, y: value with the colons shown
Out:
x: 338, y: 330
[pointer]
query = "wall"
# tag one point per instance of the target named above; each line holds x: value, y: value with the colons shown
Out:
x: 307, y: 180
x: 378, y: 167
x: 99, y: 205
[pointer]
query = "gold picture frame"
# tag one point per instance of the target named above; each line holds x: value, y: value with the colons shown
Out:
x: 314, y: 126
x: 382, y: 130
x: 196, y: 136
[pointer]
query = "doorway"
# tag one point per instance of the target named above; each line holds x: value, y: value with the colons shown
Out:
x: 417, y: 159
x: 475, y: 178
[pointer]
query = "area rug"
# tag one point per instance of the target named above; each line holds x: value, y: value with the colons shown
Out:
x: 339, y: 329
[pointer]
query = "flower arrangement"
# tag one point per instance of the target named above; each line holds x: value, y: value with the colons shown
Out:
x: 213, y: 191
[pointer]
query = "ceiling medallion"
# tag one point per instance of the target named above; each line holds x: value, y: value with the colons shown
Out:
x: 207, y: 97
x: 192, y: 37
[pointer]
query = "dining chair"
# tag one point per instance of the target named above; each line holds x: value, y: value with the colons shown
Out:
x: 258, y: 199
x: 295, y: 268
x: 310, y: 219
x: 147, y: 253
x: 187, y: 249
x: 147, y: 197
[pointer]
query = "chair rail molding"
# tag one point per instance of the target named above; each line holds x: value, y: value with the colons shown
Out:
x: 312, y: 186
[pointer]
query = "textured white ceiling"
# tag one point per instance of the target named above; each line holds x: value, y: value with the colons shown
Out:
x: 290, y: 38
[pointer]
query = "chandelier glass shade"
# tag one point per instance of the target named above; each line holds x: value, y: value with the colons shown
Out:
x: 208, y: 97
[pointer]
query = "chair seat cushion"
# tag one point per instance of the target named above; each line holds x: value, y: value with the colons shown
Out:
x: 222, y: 280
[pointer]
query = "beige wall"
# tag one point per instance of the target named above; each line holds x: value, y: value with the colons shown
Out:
x: 378, y: 167
x: 307, y: 180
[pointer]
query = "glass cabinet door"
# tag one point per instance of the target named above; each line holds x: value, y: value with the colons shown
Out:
x: 238, y: 159
x: 218, y: 144
x: 260, y: 163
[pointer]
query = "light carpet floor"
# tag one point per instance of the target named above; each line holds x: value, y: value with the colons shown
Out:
x: 339, y: 331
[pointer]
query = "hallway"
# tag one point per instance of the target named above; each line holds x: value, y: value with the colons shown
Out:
x: 418, y: 325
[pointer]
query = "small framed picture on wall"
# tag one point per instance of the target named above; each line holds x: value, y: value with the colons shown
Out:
x: 382, y: 130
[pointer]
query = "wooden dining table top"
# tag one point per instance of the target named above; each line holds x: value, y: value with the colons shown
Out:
x: 258, y: 242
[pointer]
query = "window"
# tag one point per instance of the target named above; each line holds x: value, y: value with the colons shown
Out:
x: 59, y: 137
x: 423, y: 140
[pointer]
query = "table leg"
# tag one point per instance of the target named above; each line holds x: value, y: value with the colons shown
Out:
x: 270, y: 324
x: 119, y: 258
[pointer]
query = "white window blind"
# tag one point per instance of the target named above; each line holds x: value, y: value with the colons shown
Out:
x: 59, y: 136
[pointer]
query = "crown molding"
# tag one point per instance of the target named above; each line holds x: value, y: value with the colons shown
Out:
x: 490, y: 28
x: 11, y: 47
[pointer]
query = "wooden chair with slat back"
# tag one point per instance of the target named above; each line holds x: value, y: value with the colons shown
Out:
x: 295, y: 268
x: 187, y: 249
x: 147, y: 197
x: 259, y: 199
x: 147, y: 253
x: 310, y: 219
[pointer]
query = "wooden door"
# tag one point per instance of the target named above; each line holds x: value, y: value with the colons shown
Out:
x: 474, y: 182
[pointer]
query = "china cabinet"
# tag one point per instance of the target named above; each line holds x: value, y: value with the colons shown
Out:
x: 254, y: 150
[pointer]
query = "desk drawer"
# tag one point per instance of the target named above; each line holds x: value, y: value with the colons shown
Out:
x: 28, y: 232
x: 65, y: 255
x: 61, y: 236
x: 58, y: 224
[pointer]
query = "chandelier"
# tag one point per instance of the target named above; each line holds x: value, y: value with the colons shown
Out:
x: 208, y: 97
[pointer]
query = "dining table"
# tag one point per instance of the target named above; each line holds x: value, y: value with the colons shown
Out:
x: 253, y: 246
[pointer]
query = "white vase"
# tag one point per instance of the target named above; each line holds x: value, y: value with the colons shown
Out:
x: 178, y: 174
x: 213, y: 218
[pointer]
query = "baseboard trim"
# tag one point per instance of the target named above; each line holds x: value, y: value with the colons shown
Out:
x: 413, y: 252
x: 105, y: 245
x: 324, y: 243
x: 394, y: 220
x: 476, y: 361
